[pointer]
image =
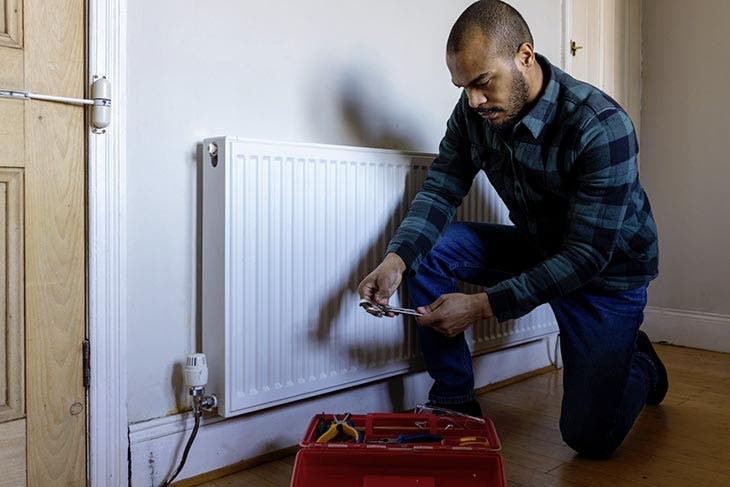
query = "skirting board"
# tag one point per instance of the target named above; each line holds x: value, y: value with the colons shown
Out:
x: 694, y: 329
x: 156, y: 445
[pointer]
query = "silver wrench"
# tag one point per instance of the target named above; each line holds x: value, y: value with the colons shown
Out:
x: 379, y: 310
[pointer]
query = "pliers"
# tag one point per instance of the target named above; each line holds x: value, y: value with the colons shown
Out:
x: 340, y: 426
x: 379, y: 310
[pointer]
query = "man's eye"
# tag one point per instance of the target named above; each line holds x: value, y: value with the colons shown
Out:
x: 483, y: 84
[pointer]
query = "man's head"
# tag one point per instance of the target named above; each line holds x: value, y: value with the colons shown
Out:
x: 490, y: 54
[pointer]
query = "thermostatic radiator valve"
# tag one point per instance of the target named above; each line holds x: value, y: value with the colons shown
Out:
x: 196, y: 378
x: 195, y: 373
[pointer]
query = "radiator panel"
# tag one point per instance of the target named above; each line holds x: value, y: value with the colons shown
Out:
x: 289, y: 230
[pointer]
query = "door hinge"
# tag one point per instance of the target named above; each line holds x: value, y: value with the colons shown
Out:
x: 86, y: 346
x: 100, y: 102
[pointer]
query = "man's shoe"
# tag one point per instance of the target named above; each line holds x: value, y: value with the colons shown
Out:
x: 657, y: 393
x: 472, y: 408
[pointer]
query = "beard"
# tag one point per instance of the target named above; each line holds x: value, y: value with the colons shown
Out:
x: 513, y: 111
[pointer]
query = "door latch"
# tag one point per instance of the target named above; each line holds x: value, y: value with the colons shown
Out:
x: 574, y: 47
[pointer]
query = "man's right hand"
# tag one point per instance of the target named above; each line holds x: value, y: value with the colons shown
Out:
x: 380, y: 284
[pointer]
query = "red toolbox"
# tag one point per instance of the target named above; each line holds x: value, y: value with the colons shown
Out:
x: 402, y: 450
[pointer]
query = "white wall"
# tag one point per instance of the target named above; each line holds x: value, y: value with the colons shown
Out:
x: 340, y: 72
x: 684, y: 164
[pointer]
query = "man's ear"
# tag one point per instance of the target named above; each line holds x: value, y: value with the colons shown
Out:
x: 525, y: 56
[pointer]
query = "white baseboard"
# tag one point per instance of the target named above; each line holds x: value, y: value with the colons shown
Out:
x: 707, y: 331
x: 157, y: 445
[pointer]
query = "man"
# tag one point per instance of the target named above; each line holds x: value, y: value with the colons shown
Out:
x: 562, y: 156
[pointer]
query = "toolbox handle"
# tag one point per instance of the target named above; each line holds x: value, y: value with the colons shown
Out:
x: 375, y: 420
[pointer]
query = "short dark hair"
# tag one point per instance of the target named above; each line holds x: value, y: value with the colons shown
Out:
x: 499, y: 22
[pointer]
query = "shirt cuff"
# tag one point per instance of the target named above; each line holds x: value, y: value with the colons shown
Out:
x: 503, y: 302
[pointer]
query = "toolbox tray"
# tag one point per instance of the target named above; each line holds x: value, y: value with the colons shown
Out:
x: 368, y: 464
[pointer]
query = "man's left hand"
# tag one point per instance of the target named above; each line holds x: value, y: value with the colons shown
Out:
x: 451, y: 314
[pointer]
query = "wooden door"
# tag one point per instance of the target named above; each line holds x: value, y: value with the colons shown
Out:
x: 42, y: 245
x: 585, y: 39
x: 604, y: 49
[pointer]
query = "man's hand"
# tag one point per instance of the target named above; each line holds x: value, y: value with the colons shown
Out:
x: 451, y: 314
x: 380, y: 284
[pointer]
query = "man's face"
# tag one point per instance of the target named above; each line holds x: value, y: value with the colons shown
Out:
x: 496, y: 88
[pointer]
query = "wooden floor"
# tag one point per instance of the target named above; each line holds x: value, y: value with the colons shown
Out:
x: 683, y: 442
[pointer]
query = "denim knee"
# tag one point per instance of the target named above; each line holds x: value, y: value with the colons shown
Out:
x: 588, y: 440
x: 448, y: 248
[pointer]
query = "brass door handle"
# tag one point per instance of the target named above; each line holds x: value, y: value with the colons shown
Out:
x: 574, y: 47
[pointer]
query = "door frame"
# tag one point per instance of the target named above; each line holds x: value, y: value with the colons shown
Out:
x: 108, y: 436
x: 632, y: 84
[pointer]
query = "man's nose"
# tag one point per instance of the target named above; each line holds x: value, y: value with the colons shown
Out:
x: 476, y: 97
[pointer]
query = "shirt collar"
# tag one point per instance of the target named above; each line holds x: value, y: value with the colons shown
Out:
x: 546, y: 106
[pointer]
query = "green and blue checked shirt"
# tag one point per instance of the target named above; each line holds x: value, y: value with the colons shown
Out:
x: 567, y: 173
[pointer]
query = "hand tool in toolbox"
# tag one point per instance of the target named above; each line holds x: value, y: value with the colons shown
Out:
x: 473, y: 441
x: 449, y: 413
x: 338, y: 427
x: 403, y: 439
x: 379, y: 310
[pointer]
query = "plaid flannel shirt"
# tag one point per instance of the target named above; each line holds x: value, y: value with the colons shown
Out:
x: 567, y: 173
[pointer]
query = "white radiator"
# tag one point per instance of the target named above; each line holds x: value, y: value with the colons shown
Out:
x: 289, y: 230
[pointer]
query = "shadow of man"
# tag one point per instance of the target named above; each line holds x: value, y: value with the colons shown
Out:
x: 358, y: 114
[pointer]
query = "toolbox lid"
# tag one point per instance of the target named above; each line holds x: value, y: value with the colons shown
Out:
x: 417, y: 432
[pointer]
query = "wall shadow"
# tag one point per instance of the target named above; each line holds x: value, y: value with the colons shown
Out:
x: 177, y: 384
x: 362, y: 115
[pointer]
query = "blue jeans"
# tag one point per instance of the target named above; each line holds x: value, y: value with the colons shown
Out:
x: 605, y: 379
